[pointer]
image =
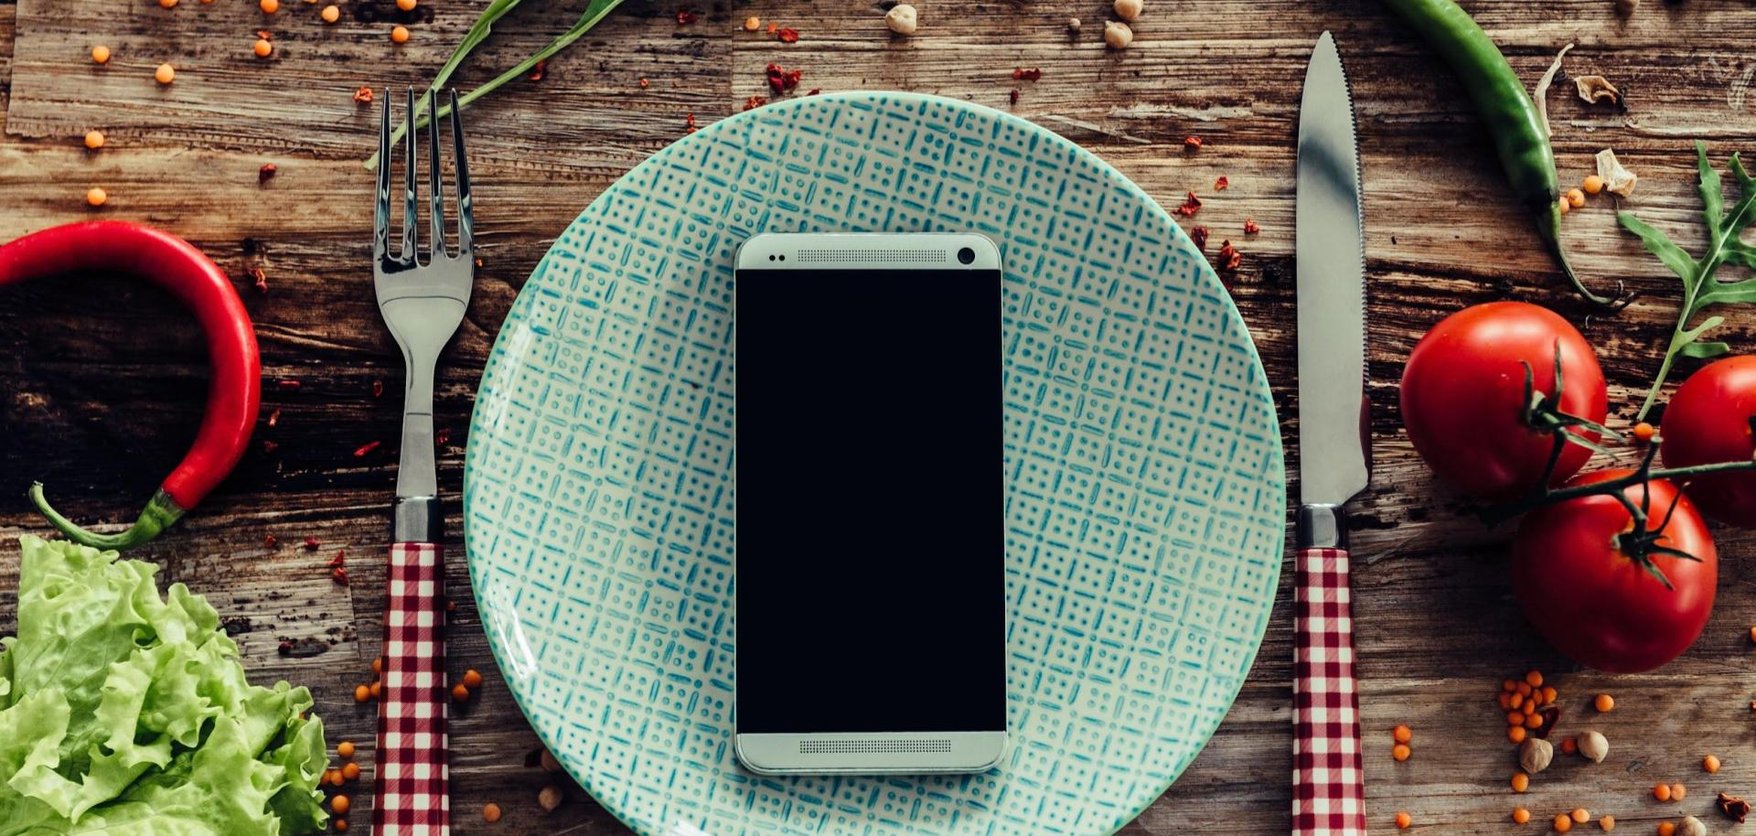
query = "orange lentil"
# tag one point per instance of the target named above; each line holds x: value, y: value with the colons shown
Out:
x: 344, y: 749
x: 341, y: 825
x: 1505, y: 701
x: 262, y: 48
x: 491, y: 812
x: 96, y: 196
x: 1570, y: 745
x: 378, y: 665
x: 94, y: 139
x: 406, y: 5
x: 752, y: 23
x: 1710, y: 763
x: 362, y: 693
x: 377, y: 688
x: 100, y: 54
x: 474, y: 679
x: 339, y: 805
x: 1565, y: 207
x: 1403, y: 821
x: 329, y: 776
x: 269, y: 6
x: 1753, y: 634
x: 330, y: 14
x: 1508, y: 685
x: 399, y: 35
x: 1516, y: 734
x: 1520, y: 815
x: 1520, y: 782
x: 1579, y: 815
x: 1524, y: 688
x: 1604, y: 703
x: 165, y: 74
x: 1607, y: 823
x: 1514, y: 718
x: 350, y: 771
x: 1678, y: 792
x: 1533, y: 721
x: 1666, y: 828
x: 1517, y: 700
x: 1562, y: 823
x: 1644, y: 432
x: 1576, y: 198
x: 1593, y: 184
x: 165, y: 4
x: 1661, y: 792
x: 460, y: 692
x: 1534, y: 677
x: 1400, y: 752
x: 1549, y: 694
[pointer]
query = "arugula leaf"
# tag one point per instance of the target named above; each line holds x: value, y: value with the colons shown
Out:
x: 1701, y: 287
x: 594, y: 12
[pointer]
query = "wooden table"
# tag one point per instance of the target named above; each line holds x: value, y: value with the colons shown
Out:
x: 104, y: 380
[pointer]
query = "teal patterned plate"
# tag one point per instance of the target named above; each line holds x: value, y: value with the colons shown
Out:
x: 1144, y: 508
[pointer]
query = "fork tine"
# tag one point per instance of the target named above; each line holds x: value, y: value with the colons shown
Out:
x: 465, y: 220
x: 436, y: 221
x: 408, y: 179
x: 381, y: 212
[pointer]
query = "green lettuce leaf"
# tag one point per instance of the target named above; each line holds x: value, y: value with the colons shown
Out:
x: 126, y: 712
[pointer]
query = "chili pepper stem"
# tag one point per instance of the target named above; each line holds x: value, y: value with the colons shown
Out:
x: 1549, y: 228
x: 160, y: 512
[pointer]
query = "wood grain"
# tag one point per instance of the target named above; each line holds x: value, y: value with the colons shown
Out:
x: 103, y: 380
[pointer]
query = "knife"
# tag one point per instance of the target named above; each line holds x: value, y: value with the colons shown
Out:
x: 1329, y: 789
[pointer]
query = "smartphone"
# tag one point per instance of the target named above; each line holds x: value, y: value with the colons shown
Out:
x: 870, y: 554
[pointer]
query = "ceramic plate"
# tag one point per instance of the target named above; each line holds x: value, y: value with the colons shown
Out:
x: 1144, y: 504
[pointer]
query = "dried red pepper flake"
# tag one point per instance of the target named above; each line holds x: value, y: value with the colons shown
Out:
x: 1027, y: 74
x: 788, y: 35
x: 755, y: 102
x: 269, y: 541
x: 1199, y: 235
x: 340, y: 576
x: 270, y: 446
x: 289, y: 384
x: 258, y: 278
x: 366, y: 449
x: 286, y: 648
x: 442, y: 437
x: 1192, y: 143
x: 340, y: 559
x: 644, y: 83
x: 1229, y: 257
x: 685, y: 17
x: 781, y: 79
x: 377, y: 388
x: 274, y: 417
x: 1013, y: 95
x: 363, y: 95
x: 266, y: 173
x: 689, y: 122
x: 1733, y: 807
x: 1251, y: 227
x: 1191, y: 205
x: 536, y: 72
x: 813, y: 91
x: 1221, y: 184
x: 311, y: 544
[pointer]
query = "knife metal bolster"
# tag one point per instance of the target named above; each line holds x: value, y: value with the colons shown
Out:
x: 418, y: 520
x: 1322, y: 527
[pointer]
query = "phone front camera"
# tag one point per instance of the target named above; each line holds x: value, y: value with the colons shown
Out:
x: 966, y: 255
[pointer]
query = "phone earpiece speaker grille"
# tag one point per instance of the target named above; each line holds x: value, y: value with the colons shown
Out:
x: 872, y: 256
x: 841, y: 747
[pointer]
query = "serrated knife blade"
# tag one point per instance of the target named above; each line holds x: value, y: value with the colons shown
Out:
x: 1329, y: 791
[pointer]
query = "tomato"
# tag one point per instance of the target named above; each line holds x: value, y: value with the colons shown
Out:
x: 1709, y: 420
x: 1463, y: 398
x: 1596, y: 604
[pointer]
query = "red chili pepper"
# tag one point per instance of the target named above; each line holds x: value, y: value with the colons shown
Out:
x: 236, y: 390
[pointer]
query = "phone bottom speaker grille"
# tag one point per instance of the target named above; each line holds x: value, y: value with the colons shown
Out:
x: 842, y: 747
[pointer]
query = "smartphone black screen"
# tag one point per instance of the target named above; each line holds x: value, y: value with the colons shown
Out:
x: 870, y: 553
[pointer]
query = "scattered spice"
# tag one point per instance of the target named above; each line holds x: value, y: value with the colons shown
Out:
x: 1199, y: 236
x: 773, y: 28
x: 1191, y: 205
x: 1666, y: 828
x: 490, y: 812
x: 685, y: 17
x: 377, y: 688
x: 100, y: 54
x: 788, y: 35
x: 1251, y: 227
x: 1191, y: 143
x: 754, y: 102
x: 1222, y: 183
x: 536, y: 72
x: 286, y: 648
x: 1733, y: 807
x: 1516, y: 734
x: 1073, y: 26
x: 1031, y: 74
x: 366, y: 449
x: 362, y: 95
x: 266, y: 173
x: 1575, y: 198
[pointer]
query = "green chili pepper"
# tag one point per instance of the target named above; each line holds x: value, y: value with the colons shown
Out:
x: 1520, y: 137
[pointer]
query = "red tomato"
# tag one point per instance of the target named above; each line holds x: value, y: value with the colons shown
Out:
x: 1709, y: 420
x: 1595, y: 603
x: 1463, y: 396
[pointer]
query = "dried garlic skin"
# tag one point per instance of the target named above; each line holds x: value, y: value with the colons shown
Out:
x: 1596, y: 89
x: 1617, y: 180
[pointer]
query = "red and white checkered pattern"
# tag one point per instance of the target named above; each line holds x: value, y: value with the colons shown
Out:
x: 1329, y: 781
x: 411, y: 790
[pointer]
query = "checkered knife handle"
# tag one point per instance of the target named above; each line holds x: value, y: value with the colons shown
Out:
x: 411, y: 790
x: 1329, y: 782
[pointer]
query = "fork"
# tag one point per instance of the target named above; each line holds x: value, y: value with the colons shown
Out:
x: 422, y: 305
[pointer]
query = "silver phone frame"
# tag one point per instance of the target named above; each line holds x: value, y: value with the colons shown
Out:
x: 780, y: 754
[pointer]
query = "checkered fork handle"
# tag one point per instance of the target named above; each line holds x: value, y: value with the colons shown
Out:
x: 1329, y: 782
x: 411, y: 788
